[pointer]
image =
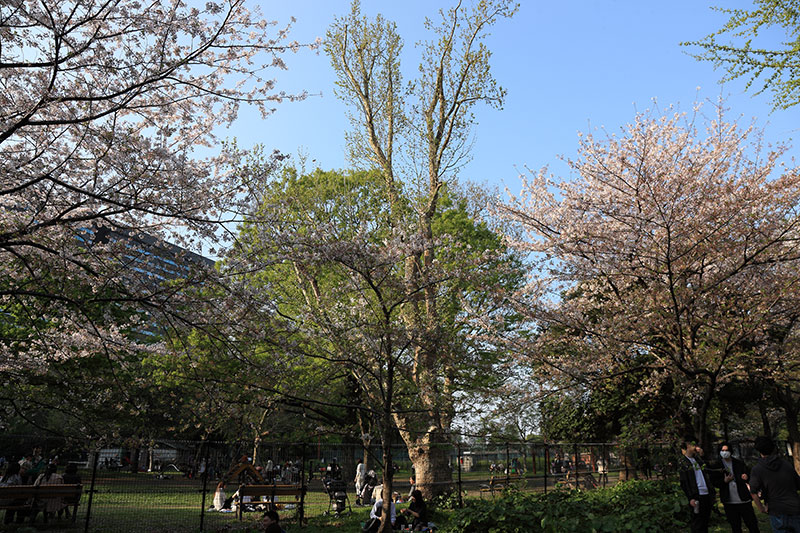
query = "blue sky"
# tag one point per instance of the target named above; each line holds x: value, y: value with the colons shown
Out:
x: 568, y: 66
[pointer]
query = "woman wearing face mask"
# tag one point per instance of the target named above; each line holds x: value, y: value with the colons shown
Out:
x: 731, y: 479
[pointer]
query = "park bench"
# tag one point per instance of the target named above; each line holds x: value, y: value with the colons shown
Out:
x: 32, y: 498
x: 498, y: 483
x: 257, y: 492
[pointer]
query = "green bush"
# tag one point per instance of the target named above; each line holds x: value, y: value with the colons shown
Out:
x: 630, y: 507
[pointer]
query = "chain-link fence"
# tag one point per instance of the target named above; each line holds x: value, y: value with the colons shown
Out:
x: 168, y: 485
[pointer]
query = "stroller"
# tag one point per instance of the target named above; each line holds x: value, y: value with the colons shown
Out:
x: 337, y: 493
x: 370, y: 482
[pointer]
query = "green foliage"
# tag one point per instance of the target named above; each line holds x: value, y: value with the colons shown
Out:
x: 612, y: 407
x: 775, y: 65
x: 320, y: 249
x: 445, y: 501
x: 631, y: 507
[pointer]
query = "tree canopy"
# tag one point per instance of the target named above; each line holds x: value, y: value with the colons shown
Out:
x: 103, y: 108
x: 670, y: 241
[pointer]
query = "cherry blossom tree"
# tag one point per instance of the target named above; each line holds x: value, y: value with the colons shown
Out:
x: 418, y: 136
x: 670, y: 240
x: 108, y: 117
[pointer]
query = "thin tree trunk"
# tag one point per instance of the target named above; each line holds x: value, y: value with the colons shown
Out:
x: 386, y: 444
x: 627, y: 466
x: 135, y: 460
x: 259, y: 435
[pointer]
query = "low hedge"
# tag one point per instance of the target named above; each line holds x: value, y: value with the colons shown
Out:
x: 629, y: 507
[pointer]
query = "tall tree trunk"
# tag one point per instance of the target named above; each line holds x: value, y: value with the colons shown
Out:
x: 425, y: 429
x: 430, y: 454
x: 794, y: 433
x: 700, y: 421
x: 762, y: 410
x: 724, y: 421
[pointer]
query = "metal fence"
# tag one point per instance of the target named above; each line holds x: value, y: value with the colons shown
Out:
x: 168, y: 485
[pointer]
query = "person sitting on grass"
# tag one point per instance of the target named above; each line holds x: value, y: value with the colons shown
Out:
x: 272, y: 522
x: 220, y: 501
x: 375, y: 513
x: 417, y: 511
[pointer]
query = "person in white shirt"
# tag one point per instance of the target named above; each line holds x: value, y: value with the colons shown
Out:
x: 361, y: 475
x: 220, y: 500
x: 377, y: 510
x: 696, y: 486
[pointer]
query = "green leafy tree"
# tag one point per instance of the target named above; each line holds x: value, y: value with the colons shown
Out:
x: 418, y: 136
x: 321, y: 252
x: 745, y: 48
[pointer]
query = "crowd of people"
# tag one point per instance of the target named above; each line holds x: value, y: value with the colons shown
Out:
x: 33, y: 469
x: 772, y: 485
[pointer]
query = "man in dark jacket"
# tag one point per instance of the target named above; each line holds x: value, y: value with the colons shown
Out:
x: 776, y: 481
x: 696, y: 485
x: 271, y: 522
x: 730, y: 475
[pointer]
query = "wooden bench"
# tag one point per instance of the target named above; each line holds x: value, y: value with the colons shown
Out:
x: 33, y: 498
x: 257, y: 492
x: 497, y: 483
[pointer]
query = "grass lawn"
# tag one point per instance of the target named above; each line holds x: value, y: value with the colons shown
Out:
x: 129, y: 503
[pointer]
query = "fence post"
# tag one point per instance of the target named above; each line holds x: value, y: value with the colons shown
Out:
x: 625, y: 460
x: 604, y: 457
x: 546, y: 465
x: 508, y: 466
x: 205, y: 488
x: 91, y: 490
x: 302, y: 511
x: 575, y: 459
x: 460, y: 500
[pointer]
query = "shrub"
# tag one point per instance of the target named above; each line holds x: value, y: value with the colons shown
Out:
x: 630, y: 507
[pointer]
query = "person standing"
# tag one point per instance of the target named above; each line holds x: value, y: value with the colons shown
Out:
x: 731, y: 478
x: 361, y: 475
x: 777, y: 482
x: 602, y: 471
x: 696, y: 486
x: 270, y: 471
